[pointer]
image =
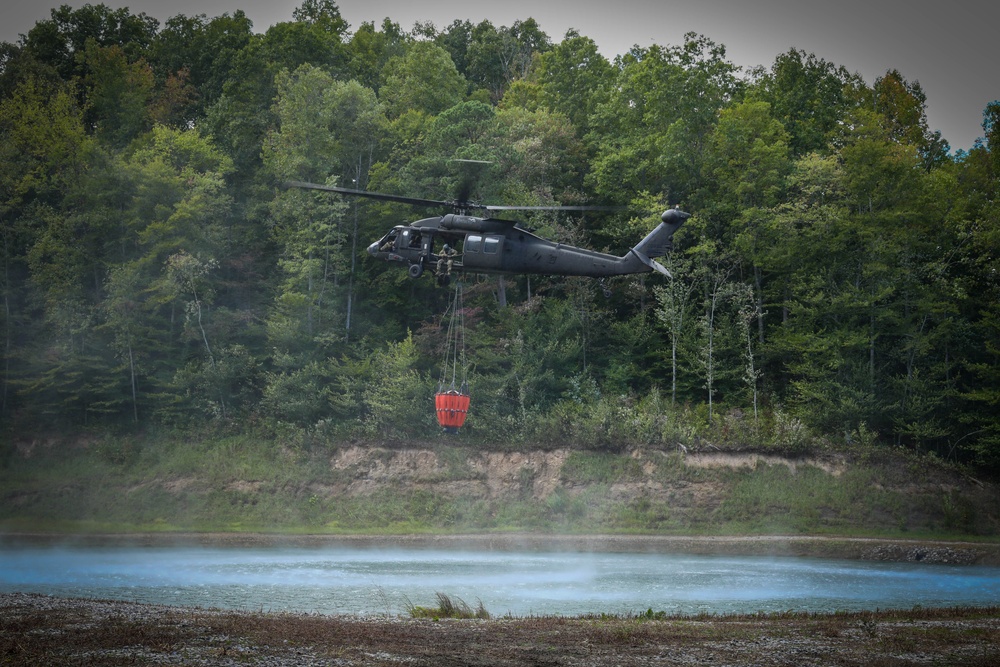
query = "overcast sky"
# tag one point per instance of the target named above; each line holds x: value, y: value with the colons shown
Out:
x: 948, y: 46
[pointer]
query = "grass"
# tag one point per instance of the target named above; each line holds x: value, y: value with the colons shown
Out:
x: 449, y: 608
x: 256, y: 484
x: 588, y: 467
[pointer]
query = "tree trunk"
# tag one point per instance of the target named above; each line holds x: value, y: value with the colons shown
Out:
x: 501, y: 292
x: 131, y: 370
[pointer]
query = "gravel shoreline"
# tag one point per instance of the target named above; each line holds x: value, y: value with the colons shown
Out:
x: 42, y: 630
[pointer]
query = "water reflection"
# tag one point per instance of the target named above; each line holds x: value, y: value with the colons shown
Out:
x: 332, y: 580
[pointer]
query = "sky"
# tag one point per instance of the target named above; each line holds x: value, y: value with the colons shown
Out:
x: 947, y: 46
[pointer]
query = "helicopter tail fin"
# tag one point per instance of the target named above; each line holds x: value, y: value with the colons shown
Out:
x: 657, y: 242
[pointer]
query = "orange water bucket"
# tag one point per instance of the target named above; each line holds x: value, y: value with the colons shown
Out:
x: 452, y: 407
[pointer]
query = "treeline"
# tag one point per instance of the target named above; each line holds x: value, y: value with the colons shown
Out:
x: 839, y: 275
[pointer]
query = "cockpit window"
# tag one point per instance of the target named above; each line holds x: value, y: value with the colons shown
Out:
x: 491, y: 246
x: 388, y: 241
x: 472, y: 243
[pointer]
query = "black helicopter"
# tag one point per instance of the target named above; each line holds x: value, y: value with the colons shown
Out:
x: 462, y: 242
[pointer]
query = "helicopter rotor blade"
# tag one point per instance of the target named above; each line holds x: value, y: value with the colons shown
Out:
x: 555, y: 208
x: 458, y: 205
x: 414, y: 201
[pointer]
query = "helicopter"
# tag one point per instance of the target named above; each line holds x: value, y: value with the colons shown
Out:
x: 485, y: 244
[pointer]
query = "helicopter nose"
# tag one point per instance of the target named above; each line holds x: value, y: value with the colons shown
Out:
x: 373, y: 249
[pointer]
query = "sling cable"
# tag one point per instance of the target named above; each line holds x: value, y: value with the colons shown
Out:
x: 451, y: 400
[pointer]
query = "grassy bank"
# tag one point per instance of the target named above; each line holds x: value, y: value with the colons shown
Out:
x: 257, y: 484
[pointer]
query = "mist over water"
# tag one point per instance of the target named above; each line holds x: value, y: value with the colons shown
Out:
x: 335, y: 580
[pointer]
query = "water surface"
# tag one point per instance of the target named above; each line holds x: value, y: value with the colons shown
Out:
x: 347, y: 580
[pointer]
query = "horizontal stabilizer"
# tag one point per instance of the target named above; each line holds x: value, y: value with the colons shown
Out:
x: 651, y: 263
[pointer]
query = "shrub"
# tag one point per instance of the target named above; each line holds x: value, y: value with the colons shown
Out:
x: 449, y: 608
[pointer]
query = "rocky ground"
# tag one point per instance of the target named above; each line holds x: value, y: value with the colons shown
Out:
x: 40, y: 630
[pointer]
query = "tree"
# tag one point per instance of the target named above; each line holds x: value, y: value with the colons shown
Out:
x: 810, y: 97
x: 44, y: 135
x: 903, y: 105
x: 650, y: 134
x: 675, y: 311
x: 186, y: 274
x: 456, y: 40
x: 369, y: 50
x: 396, y: 398
x: 747, y: 158
x: 322, y: 13
x: 717, y: 291
x: 43, y: 149
x: 976, y: 432
x: 495, y: 57
x: 241, y: 117
x: 124, y: 316
x: 118, y: 94
x: 61, y: 39
x: 312, y: 109
x: 173, y: 244
x: 746, y: 163
x: 207, y: 50
x: 424, y: 79
x: 574, y: 79
x: 181, y: 202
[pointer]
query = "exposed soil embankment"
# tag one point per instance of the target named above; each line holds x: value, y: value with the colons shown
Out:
x: 261, y: 486
x: 650, y: 490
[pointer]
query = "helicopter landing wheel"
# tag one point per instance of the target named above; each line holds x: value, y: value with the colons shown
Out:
x: 416, y: 270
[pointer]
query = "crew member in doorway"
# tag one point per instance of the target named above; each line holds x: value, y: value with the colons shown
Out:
x: 445, y: 261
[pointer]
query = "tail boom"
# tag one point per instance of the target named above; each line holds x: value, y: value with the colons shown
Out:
x: 658, y: 241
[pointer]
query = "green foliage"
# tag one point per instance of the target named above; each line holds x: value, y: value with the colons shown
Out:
x: 397, y: 399
x: 424, y: 79
x: 574, y: 79
x: 748, y: 156
x: 448, y: 608
x: 495, y: 57
x: 119, y: 93
x: 662, y: 106
x: 602, y: 468
x: 808, y: 95
x: 838, y: 276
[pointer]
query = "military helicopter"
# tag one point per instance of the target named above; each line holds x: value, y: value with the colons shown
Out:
x: 463, y: 242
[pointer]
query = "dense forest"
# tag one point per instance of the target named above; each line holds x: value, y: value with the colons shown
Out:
x: 839, y: 276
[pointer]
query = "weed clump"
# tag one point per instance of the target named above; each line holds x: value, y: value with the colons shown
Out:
x: 449, y: 608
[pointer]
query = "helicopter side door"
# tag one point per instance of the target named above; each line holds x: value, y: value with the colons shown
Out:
x: 414, y: 243
x: 483, y: 252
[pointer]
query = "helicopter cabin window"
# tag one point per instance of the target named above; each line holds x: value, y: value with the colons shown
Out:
x: 472, y: 243
x: 491, y: 246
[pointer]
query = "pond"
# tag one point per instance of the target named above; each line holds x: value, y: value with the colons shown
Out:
x: 370, y: 581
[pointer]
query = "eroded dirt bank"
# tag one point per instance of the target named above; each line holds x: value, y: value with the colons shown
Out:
x: 39, y: 630
x: 341, y: 488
